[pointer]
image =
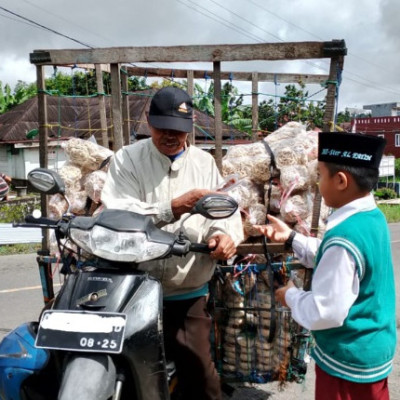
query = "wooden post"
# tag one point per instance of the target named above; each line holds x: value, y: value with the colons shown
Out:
x: 102, y: 106
x: 190, y: 89
x: 126, y: 125
x: 254, y: 106
x: 43, y: 148
x: 336, y: 63
x: 218, y: 114
x: 116, y: 106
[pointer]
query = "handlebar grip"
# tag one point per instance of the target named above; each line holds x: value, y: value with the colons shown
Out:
x: 40, y: 221
x: 200, y: 248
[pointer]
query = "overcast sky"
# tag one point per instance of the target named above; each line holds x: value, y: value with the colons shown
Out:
x: 370, y: 29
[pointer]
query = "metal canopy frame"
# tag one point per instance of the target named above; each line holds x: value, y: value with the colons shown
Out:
x: 334, y: 50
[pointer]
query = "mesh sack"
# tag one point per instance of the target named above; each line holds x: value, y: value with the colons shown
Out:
x: 294, y: 177
x: 248, y: 161
x: 312, y: 168
x: 245, y: 192
x: 254, y: 215
x: 86, y: 154
x: 58, y: 206
x: 289, y: 152
x: 93, y: 184
x: 78, y: 202
x: 288, y: 131
x: 295, y: 208
x: 309, y: 141
x: 71, y: 176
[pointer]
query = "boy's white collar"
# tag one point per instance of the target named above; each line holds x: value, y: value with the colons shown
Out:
x: 366, y: 203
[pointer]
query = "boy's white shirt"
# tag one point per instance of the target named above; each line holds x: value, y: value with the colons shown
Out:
x: 334, y: 290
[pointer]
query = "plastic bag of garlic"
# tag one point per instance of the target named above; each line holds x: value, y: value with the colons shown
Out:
x: 84, y: 175
x: 293, y: 180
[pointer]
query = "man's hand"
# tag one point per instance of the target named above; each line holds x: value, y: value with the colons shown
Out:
x: 276, y: 230
x: 186, y: 202
x: 281, y: 292
x: 224, y: 247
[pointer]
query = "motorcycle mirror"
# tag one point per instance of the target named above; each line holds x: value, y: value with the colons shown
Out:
x: 215, y: 206
x: 46, y: 181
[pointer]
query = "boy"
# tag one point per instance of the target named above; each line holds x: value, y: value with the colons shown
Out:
x: 350, y: 308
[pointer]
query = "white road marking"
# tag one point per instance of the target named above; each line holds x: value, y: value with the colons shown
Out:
x: 25, y: 288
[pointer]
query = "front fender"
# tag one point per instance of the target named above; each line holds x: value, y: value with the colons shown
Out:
x: 89, y: 377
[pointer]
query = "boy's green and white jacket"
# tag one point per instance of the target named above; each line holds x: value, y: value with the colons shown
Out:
x: 362, y: 349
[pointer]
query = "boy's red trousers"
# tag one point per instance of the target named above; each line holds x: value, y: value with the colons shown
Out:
x: 328, y: 387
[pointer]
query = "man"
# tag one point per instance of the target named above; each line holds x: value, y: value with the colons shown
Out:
x: 164, y: 177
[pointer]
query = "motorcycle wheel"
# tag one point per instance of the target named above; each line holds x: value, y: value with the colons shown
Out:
x: 89, y: 377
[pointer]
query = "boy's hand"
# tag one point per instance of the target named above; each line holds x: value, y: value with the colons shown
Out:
x: 276, y: 230
x: 281, y: 292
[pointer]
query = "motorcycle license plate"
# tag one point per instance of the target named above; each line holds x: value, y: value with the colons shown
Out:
x: 100, y: 332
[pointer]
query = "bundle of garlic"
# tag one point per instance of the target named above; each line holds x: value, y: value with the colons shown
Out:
x: 245, y: 192
x: 295, y: 208
x: 86, y: 154
x: 295, y: 152
x: 249, y: 161
x: 93, y: 184
x: 57, y: 206
x: 255, y: 214
x: 71, y: 176
x: 294, y: 178
x: 83, y: 178
x: 287, y: 131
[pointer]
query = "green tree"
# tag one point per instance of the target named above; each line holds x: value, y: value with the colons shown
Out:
x: 293, y: 106
x: 233, y: 112
x: 83, y: 83
x: 136, y: 83
x: 343, y: 117
x: 6, y: 98
x: 267, y: 116
x: 78, y: 84
x: 10, y: 98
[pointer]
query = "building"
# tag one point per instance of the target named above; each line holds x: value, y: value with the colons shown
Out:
x: 383, y: 110
x: 387, y: 127
x: 358, y: 112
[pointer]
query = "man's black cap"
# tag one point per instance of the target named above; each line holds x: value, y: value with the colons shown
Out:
x: 353, y: 149
x: 171, y: 108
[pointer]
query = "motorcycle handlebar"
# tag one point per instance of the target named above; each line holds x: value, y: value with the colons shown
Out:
x: 200, y: 248
x: 32, y: 222
x: 40, y: 221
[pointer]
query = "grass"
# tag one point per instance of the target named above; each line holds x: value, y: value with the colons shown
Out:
x: 20, y: 248
x: 391, y: 211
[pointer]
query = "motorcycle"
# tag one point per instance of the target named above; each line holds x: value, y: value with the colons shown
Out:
x: 102, y: 336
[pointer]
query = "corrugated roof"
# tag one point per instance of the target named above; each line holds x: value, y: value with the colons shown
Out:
x: 80, y: 117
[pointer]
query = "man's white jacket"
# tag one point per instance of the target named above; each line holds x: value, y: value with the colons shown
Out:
x: 143, y: 180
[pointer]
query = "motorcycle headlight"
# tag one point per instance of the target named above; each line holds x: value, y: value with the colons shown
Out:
x: 118, y: 246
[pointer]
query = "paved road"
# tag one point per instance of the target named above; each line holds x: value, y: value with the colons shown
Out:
x: 20, y: 300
